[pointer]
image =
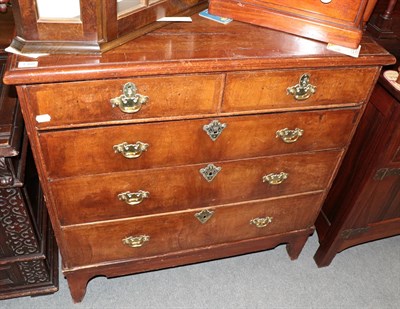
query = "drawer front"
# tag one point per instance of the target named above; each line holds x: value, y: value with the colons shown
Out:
x: 80, y: 103
x: 268, y: 90
x: 95, y: 198
x: 183, y: 231
x: 344, y: 10
x: 90, y: 151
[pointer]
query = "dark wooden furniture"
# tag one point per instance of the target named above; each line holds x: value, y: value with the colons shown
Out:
x: 28, y: 251
x: 337, y: 22
x: 384, y: 27
x: 90, y: 26
x: 364, y: 202
x: 194, y: 142
x: 381, y: 24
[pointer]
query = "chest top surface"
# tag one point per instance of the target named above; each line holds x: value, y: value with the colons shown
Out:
x: 199, y: 46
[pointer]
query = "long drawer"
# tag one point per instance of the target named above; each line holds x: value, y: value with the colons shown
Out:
x: 156, y: 235
x: 98, y: 198
x: 91, y: 151
x: 86, y: 102
x: 268, y: 90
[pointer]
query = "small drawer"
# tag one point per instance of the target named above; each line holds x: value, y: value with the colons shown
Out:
x: 276, y: 90
x: 100, y: 198
x: 93, y: 151
x: 155, y: 235
x: 335, y: 10
x: 81, y: 103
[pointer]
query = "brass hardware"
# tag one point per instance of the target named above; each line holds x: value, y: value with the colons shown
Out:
x: 386, y: 172
x: 131, y: 151
x: 303, y: 90
x: 214, y: 129
x: 204, y: 215
x: 134, y: 198
x: 275, y: 179
x: 135, y: 241
x: 210, y: 171
x: 289, y: 136
x: 129, y: 102
x: 261, y: 222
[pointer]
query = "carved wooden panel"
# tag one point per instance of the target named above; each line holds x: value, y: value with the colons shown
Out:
x: 6, y: 177
x: 15, y: 222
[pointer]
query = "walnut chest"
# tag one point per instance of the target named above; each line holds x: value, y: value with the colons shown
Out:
x: 194, y: 142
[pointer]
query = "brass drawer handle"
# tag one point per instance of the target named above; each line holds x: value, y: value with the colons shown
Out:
x: 214, y: 129
x: 129, y: 102
x: 275, y: 179
x: 131, y: 151
x: 261, y: 222
x: 289, y: 136
x: 134, y: 198
x: 303, y: 90
x: 135, y: 241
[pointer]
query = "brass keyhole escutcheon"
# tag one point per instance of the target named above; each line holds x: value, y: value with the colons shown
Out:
x: 214, y: 129
x: 204, y: 215
x: 210, y: 172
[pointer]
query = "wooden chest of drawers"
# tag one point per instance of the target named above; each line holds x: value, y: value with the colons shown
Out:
x: 222, y: 154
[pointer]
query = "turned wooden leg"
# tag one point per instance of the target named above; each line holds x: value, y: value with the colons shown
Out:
x: 77, y: 285
x: 295, y: 246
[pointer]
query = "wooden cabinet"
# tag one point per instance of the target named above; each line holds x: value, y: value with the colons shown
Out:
x: 364, y: 203
x: 216, y: 141
x: 90, y: 26
x: 337, y: 22
x: 28, y: 250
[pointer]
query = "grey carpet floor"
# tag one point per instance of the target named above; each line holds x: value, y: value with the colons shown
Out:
x: 365, y: 276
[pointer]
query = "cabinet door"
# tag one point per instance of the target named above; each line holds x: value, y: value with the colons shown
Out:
x: 380, y: 200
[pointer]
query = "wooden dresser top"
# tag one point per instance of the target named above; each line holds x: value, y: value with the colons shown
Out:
x: 200, y: 46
